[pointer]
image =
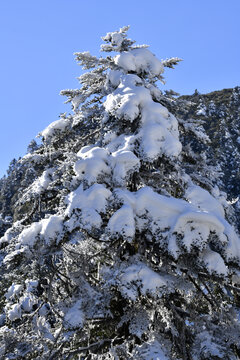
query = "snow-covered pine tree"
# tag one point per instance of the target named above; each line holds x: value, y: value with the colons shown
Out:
x: 122, y: 247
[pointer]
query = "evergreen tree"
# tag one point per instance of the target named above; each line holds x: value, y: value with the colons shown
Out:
x: 33, y: 146
x: 123, y: 247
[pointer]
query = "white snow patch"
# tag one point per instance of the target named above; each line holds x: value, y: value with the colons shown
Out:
x: 140, y: 276
x: 28, y: 235
x: 14, y: 312
x: 150, y: 350
x: 10, y: 233
x: 142, y: 61
x: 43, y: 328
x: 48, y: 229
x: 76, y: 101
x: 214, y: 262
x: 117, y: 157
x: 208, y: 346
x: 167, y: 216
x: 13, y: 291
x: 35, y: 158
x: 155, y: 92
x: 125, y: 101
x: 113, y: 78
x: 204, y: 200
x: 116, y: 38
x: 92, y: 163
x: 91, y: 202
x: 122, y: 222
x: 51, y: 227
x: 74, y: 316
x: 27, y: 301
x: 158, y: 132
x: 8, y: 258
x: 31, y: 285
x: 201, y: 110
x: 123, y: 161
x: 56, y: 126
x: 42, y: 183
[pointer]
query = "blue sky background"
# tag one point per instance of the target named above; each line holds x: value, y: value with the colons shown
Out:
x: 38, y: 39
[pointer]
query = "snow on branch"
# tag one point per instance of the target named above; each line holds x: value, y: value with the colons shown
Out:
x: 170, y: 63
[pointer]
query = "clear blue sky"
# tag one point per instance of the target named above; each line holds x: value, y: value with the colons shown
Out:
x: 38, y: 38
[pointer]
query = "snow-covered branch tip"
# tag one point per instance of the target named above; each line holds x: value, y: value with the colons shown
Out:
x: 170, y: 63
